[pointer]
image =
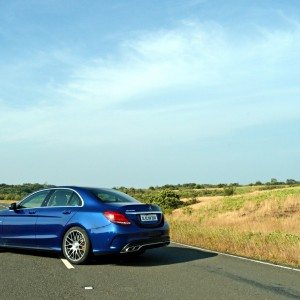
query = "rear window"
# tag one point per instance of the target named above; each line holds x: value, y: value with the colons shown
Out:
x: 112, y: 196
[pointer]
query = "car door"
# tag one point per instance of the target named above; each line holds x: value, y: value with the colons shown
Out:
x: 18, y: 227
x: 51, y: 220
x: 1, y: 223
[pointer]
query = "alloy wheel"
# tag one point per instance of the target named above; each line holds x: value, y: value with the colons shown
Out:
x: 75, y: 245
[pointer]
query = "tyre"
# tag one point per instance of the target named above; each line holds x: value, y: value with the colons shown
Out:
x: 76, y: 245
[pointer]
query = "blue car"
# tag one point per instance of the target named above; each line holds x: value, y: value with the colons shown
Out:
x: 80, y: 221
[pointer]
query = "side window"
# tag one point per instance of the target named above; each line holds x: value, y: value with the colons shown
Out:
x: 60, y: 198
x: 75, y: 200
x: 35, y: 200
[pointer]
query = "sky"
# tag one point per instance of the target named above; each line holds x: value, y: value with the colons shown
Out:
x: 144, y: 93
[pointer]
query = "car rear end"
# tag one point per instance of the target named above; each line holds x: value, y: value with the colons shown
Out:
x: 133, y: 226
x: 145, y: 228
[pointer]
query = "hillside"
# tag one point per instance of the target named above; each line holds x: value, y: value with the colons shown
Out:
x: 261, y: 224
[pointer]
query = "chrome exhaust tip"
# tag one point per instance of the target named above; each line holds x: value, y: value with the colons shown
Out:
x: 128, y: 249
x: 136, y: 248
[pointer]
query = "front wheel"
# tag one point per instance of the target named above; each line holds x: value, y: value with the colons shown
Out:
x: 76, y: 245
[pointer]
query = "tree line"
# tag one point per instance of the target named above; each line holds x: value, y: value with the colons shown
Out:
x: 167, y: 196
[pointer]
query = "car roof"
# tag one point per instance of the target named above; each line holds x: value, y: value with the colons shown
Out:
x: 83, y: 187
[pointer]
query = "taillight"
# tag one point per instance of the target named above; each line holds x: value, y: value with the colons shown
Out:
x: 116, y: 217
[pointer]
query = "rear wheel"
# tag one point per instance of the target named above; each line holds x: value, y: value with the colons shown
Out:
x: 76, y: 245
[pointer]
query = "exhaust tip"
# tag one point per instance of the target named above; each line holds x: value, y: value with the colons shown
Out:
x: 128, y: 249
x: 136, y: 248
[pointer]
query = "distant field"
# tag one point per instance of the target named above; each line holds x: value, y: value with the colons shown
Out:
x: 259, y: 224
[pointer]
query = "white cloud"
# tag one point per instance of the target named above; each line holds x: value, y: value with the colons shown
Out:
x: 201, y: 81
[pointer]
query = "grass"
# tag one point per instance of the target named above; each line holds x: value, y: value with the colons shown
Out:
x: 263, y: 225
x: 7, y: 201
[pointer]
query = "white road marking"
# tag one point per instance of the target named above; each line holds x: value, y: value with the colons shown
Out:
x: 88, y: 288
x: 240, y: 257
x: 67, y: 263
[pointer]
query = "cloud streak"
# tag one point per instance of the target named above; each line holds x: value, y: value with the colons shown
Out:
x: 194, y: 65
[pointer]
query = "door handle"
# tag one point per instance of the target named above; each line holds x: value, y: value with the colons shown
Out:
x: 32, y: 212
x: 66, y: 212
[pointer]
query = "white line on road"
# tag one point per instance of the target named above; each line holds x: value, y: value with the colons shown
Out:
x: 235, y: 256
x: 67, y: 263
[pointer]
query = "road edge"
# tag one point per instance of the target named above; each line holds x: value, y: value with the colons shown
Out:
x: 236, y: 256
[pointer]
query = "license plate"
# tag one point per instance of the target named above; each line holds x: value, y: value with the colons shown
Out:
x: 148, y: 218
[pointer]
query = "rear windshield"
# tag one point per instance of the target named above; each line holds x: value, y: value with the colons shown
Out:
x: 112, y: 196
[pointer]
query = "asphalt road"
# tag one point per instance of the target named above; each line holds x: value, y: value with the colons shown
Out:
x: 173, y: 272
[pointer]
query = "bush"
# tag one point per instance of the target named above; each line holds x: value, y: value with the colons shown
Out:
x: 167, y: 199
x: 191, y: 201
x: 228, y: 190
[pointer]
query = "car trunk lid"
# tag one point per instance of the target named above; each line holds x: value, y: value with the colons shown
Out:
x: 143, y: 215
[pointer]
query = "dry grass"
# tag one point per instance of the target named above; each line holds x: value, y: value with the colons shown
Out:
x: 264, y: 225
x: 7, y: 201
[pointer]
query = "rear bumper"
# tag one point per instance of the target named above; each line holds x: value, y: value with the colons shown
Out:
x: 118, y: 239
x: 145, y: 244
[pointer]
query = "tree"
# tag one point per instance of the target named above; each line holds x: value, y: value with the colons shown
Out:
x: 291, y: 181
x: 274, y: 181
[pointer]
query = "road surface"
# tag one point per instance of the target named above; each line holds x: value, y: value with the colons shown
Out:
x: 173, y: 272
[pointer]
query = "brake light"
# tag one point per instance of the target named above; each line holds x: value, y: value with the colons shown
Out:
x: 116, y: 217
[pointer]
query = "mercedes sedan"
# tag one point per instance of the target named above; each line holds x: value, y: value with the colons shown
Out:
x: 79, y: 221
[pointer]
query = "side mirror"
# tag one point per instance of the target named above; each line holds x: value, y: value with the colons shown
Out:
x: 13, y: 206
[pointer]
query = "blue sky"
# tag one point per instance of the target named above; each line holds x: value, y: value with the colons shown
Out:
x: 140, y: 93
